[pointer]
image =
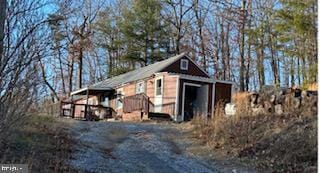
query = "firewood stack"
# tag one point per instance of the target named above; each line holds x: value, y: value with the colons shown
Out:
x: 281, y: 101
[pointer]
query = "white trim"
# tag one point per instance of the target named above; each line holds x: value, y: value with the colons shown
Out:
x: 155, y: 86
x: 137, y: 85
x: 213, y: 99
x: 183, y: 96
x: 78, y: 91
x: 193, y: 78
x: 158, y: 99
x: 196, y: 65
x: 120, y: 90
x: 225, y: 82
x: 177, y: 98
x: 182, y: 55
x: 182, y: 61
x: 88, y: 88
x: 201, y: 79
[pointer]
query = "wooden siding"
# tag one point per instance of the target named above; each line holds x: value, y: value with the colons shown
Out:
x: 192, y: 69
x: 222, y: 92
x: 169, y: 93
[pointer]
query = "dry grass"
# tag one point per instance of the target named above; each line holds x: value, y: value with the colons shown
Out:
x: 41, y: 142
x: 312, y: 87
x: 281, y: 143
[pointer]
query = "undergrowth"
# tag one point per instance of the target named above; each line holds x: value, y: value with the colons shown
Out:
x: 41, y: 142
x: 278, y: 143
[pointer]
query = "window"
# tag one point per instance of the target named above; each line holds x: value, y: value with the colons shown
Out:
x: 158, y: 87
x: 104, y: 100
x: 119, y: 99
x: 184, y: 64
x: 140, y: 87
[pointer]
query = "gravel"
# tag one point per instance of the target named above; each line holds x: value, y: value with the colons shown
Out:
x: 132, y: 147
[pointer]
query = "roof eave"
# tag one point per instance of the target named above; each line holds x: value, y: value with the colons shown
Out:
x: 91, y: 89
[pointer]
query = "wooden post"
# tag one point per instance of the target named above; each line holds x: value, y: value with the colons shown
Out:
x: 61, y: 109
x: 72, y: 109
x: 86, y: 106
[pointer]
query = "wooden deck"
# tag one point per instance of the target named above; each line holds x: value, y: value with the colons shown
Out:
x: 138, y: 102
x: 84, y: 111
x: 141, y: 102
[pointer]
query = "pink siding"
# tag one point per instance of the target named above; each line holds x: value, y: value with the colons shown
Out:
x: 169, y: 94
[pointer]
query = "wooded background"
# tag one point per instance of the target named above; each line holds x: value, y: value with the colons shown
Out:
x: 50, y: 48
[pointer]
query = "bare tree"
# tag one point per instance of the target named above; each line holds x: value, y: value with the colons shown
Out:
x: 175, y: 14
x: 3, y: 9
x: 23, y: 43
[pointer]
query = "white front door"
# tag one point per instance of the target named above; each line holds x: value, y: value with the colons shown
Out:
x: 158, y: 94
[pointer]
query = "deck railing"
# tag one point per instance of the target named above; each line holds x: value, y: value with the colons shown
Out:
x: 138, y: 102
x: 141, y: 102
x: 84, y: 111
x: 168, y: 108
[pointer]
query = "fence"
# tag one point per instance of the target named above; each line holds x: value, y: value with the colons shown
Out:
x: 84, y: 111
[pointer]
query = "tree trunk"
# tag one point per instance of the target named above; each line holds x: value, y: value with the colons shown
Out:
x: 80, y: 68
x: 70, y: 71
x: 292, y: 72
x: 3, y: 9
x: 247, y: 80
x: 274, y: 65
x: 260, y: 62
x: 223, y: 52
x: 298, y: 71
x: 54, y: 93
x: 228, y: 68
x: 61, y: 71
x: 242, y: 30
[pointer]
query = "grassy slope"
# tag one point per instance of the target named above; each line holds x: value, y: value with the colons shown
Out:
x: 274, y: 143
x: 42, y: 142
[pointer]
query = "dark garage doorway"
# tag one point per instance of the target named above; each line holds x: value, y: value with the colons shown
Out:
x: 189, y: 102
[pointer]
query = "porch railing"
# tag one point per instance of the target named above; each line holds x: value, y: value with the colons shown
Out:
x: 84, y: 111
x: 168, y: 108
x: 138, y: 102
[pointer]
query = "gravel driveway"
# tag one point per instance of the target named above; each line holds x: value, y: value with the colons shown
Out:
x: 132, y: 147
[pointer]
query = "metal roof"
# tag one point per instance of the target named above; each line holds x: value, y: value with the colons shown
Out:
x: 137, y: 74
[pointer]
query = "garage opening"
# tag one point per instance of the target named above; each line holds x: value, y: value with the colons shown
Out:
x: 195, y: 101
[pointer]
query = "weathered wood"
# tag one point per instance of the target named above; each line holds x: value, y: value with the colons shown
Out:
x: 108, y: 111
x: 138, y: 102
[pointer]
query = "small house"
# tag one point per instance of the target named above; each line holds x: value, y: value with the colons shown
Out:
x: 176, y: 87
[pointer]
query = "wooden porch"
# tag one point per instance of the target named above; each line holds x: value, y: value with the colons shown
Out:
x: 141, y: 102
x: 85, y: 111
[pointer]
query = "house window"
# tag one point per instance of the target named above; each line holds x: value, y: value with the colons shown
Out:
x: 104, y: 100
x: 158, y: 87
x: 140, y: 87
x: 119, y: 99
x: 184, y: 64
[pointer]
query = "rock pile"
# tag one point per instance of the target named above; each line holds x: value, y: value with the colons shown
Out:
x: 279, y: 101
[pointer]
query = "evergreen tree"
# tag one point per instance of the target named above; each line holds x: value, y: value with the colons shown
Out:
x: 145, y: 33
x: 296, y: 24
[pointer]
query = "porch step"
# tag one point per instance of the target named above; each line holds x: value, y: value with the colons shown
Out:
x: 159, y: 116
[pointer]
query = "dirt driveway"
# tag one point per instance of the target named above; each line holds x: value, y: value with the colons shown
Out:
x: 132, y: 147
